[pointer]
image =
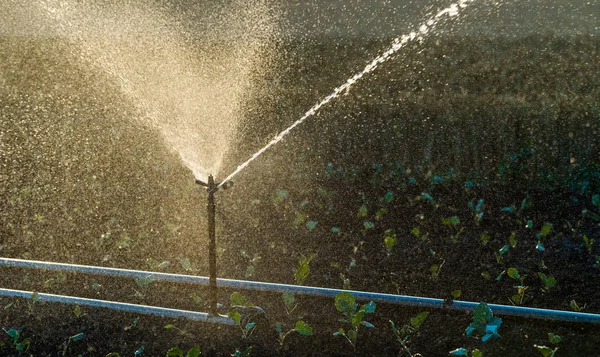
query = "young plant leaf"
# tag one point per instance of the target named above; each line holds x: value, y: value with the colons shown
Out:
x: 303, y: 329
x: 513, y: 273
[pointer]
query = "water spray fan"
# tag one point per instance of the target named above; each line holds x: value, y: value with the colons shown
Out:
x: 212, y: 187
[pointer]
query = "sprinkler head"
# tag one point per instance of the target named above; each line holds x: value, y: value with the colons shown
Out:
x: 201, y: 183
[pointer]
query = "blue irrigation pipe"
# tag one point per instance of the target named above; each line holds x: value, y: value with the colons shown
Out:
x: 120, y: 306
x: 557, y: 315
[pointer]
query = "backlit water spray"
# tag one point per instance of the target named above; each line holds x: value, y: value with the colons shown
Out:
x: 397, y: 44
x: 188, y: 76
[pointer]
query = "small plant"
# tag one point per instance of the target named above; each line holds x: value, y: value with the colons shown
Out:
x: 143, y: 284
x: 453, y: 223
x: 15, y: 336
x: 177, y: 352
x: 484, y: 323
x: 290, y: 302
x: 303, y: 268
x: 301, y: 328
x: 390, y: 240
x: 520, y: 295
x: 403, y: 334
x: 589, y: 243
x: 73, y: 338
x: 548, y: 281
x: 173, y: 327
x: 242, y: 311
x: 35, y: 297
x: 346, y: 304
x: 464, y: 352
x: 244, y: 353
x: 549, y: 351
x: 133, y: 324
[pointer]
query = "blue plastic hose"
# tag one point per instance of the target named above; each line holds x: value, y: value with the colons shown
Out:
x: 557, y: 315
x: 120, y: 306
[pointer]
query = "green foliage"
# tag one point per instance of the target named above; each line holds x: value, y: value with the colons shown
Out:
x: 177, y: 352
x: 390, y: 240
x: 133, y: 324
x: 546, y: 351
x: 520, y: 295
x: 589, y: 243
x: 346, y: 304
x: 239, y: 304
x: 548, y: 281
x: 73, y: 338
x: 301, y: 328
x: 20, y: 345
x: 403, y: 334
x: 464, y: 352
x: 362, y: 211
x: 244, y: 353
x: 484, y: 323
x: 143, y: 284
x: 303, y: 269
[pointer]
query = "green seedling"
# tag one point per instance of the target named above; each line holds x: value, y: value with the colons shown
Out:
x: 242, y: 311
x: 346, y: 304
x: 520, y: 295
x: 589, y: 243
x: 303, y: 269
x: 77, y: 311
x: 301, y: 328
x: 252, y: 262
x: 436, y: 269
x: 453, y: 222
x: 244, y: 353
x: 35, y: 297
x: 73, y: 338
x: 390, y: 240
x: 484, y: 323
x: 113, y: 354
x: 133, y: 324
x: 290, y: 302
x: 546, y: 351
x: 575, y: 307
x: 548, y: 281
x: 177, y: 352
x: 543, y: 233
x: 173, y: 327
x: 403, y: 334
x: 143, y: 284
x: 464, y: 352
x: 19, y: 344
x: 186, y: 264
x: 60, y: 278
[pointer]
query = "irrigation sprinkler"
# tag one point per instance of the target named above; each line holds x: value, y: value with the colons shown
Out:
x: 212, y: 187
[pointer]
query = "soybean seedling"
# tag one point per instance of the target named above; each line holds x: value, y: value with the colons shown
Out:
x: 549, y: 351
x: 403, y: 334
x: 15, y: 336
x: 520, y: 295
x: 464, y: 352
x: 177, y: 352
x: 346, y: 304
x: 301, y: 328
x: 484, y: 323
x: 73, y: 338
x: 243, y: 312
x: 143, y: 284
